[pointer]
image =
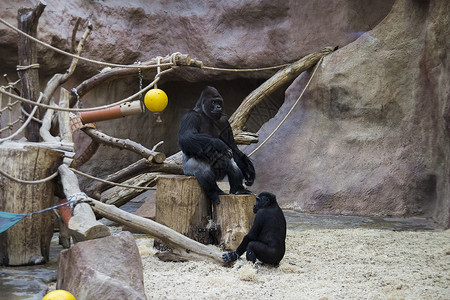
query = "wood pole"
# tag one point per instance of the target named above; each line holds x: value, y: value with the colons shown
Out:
x: 28, y: 20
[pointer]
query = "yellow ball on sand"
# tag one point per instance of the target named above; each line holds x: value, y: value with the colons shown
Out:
x: 155, y: 100
x: 59, y: 295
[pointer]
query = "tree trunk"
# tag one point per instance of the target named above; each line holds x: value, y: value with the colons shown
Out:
x: 234, y: 216
x: 182, y: 206
x: 28, y: 241
x: 28, y: 20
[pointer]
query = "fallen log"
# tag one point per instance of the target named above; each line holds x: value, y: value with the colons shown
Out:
x: 289, y: 73
x: 181, y: 246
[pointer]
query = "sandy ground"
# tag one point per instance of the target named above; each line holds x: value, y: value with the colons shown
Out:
x: 319, y: 264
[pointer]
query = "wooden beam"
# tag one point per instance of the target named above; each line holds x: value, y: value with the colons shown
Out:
x: 289, y: 73
x: 182, y: 246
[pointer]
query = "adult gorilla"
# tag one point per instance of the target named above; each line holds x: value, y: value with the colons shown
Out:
x: 209, y: 149
x: 266, y: 239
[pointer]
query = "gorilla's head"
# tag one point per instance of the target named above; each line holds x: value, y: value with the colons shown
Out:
x: 210, y: 103
x: 264, y: 199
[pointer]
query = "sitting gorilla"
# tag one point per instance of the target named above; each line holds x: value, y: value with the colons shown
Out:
x: 266, y: 239
x: 209, y: 149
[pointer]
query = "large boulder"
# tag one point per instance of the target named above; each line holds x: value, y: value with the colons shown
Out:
x: 371, y: 135
x: 106, y: 268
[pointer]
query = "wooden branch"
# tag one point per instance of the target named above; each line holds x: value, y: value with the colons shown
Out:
x: 63, y: 117
x: 115, y: 73
x: 172, y: 165
x: 28, y: 20
x: 181, y: 245
x: 150, y: 155
x: 83, y: 225
x: 240, y: 116
x: 245, y: 138
x: 44, y: 131
x: 59, y: 79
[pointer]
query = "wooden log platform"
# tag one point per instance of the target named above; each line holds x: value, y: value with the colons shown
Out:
x: 182, y: 206
x: 28, y: 241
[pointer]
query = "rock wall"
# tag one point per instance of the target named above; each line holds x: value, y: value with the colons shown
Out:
x: 371, y: 136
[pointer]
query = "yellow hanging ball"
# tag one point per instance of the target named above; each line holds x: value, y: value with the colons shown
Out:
x: 59, y: 295
x: 156, y: 100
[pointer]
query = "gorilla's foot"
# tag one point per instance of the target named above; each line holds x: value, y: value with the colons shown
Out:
x: 216, y: 199
x: 220, y: 192
x: 242, y: 191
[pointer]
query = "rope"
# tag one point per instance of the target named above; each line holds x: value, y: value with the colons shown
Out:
x: 27, y: 121
x: 24, y: 68
x: 292, y: 108
x: 245, y: 70
x: 112, y: 183
x: 2, y: 90
x: 77, y: 56
x: 50, y: 208
x: 29, y: 182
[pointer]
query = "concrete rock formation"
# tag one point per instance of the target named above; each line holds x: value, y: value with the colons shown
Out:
x: 110, y: 267
x: 371, y: 136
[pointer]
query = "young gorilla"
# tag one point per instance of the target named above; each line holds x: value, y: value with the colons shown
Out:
x: 209, y: 149
x: 266, y: 239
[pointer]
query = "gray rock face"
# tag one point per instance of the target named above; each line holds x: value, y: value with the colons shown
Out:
x: 110, y: 267
x: 371, y: 135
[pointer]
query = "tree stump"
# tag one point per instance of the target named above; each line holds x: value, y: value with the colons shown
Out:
x: 234, y: 216
x: 28, y: 241
x: 182, y: 206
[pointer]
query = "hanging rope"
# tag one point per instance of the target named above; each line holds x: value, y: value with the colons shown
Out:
x: 157, y: 78
x: 77, y: 56
x: 112, y: 183
x: 245, y: 70
x: 26, y: 181
x: 292, y: 108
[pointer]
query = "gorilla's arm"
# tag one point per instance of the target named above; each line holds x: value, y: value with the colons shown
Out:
x: 252, y: 235
x: 194, y: 143
x: 242, y: 160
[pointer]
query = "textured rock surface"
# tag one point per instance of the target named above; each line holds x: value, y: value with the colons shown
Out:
x: 370, y: 136
x: 110, y: 267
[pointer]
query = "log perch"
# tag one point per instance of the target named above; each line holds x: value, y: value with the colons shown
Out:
x: 183, y: 246
x: 289, y: 73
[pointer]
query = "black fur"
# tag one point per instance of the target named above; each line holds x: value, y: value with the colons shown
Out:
x: 266, y: 239
x: 209, y: 149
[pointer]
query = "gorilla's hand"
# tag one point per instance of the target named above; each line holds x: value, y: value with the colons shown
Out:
x: 230, y: 256
x: 220, y: 146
